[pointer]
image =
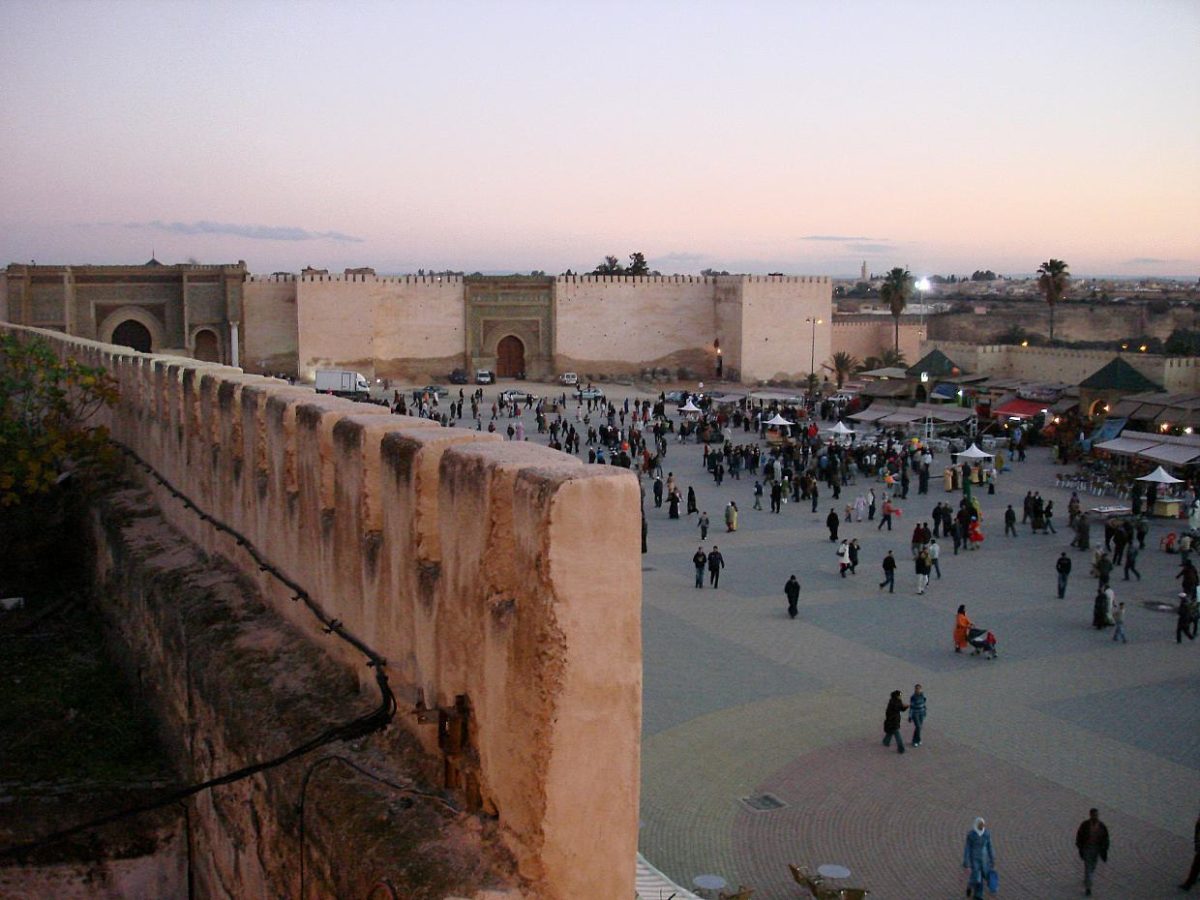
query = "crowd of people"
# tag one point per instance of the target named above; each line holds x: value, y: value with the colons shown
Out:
x: 801, y: 465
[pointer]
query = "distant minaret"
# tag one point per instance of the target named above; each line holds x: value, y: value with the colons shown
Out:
x: 864, y: 271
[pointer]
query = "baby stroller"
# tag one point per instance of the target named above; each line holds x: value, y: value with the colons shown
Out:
x: 983, y: 641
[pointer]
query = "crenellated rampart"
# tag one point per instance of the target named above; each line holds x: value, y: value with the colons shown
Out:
x: 468, y: 562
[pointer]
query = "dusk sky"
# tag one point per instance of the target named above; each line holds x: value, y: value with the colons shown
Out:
x: 801, y: 137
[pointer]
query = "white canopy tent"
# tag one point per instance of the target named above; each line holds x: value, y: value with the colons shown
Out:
x: 974, y: 452
x: 1161, y: 476
x: 777, y: 420
x: 841, y: 428
x: 689, y: 407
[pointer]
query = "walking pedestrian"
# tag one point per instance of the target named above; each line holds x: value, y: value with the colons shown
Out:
x: 776, y: 496
x: 831, y: 522
x: 935, y: 553
x: 1010, y: 522
x: 843, y: 555
x: 1119, y: 621
x: 698, y: 560
x: 921, y: 564
x: 1131, y: 555
x: 791, y: 590
x: 1091, y: 840
x: 1063, y: 568
x: 891, y: 722
x: 1185, y: 618
x: 886, y: 518
x: 716, y: 562
x: 889, y: 573
x: 703, y: 523
x: 916, y: 713
x: 979, y: 856
x: 962, y: 626
x: 691, y: 500
x: 871, y: 505
x: 758, y: 495
x: 731, y: 517
x: 854, y: 548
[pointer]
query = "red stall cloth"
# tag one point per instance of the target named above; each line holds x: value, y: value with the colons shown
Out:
x: 1018, y: 409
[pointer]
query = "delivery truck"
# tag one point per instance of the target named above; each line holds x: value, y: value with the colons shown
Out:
x: 343, y: 383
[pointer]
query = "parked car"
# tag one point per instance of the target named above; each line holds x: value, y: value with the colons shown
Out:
x: 677, y: 396
x: 436, y: 389
x: 570, y: 379
x: 590, y: 393
x: 485, y: 376
x: 458, y: 376
x: 516, y: 395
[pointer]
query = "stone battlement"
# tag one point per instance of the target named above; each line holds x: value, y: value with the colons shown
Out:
x: 466, y: 561
x: 381, y: 279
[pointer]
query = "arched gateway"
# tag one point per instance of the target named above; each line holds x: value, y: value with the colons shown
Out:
x: 510, y: 357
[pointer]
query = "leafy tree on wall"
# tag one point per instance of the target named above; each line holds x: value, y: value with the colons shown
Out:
x: 896, y: 289
x: 45, y: 408
x: 612, y: 266
x: 1052, y: 282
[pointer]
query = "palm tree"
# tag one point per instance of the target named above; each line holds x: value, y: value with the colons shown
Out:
x: 892, y: 359
x: 1052, y: 282
x: 844, y: 365
x: 897, y: 288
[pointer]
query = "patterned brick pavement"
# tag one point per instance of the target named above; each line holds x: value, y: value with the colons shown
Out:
x: 739, y: 700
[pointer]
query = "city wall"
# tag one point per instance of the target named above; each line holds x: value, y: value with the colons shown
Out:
x: 414, y: 327
x: 468, y: 562
x: 1056, y: 364
x: 621, y: 324
x: 864, y: 336
x: 1073, y: 321
x: 777, y: 341
x: 403, y: 327
x: 270, y: 333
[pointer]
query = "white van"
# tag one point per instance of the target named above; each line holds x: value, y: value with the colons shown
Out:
x: 570, y: 379
x: 484, y: 376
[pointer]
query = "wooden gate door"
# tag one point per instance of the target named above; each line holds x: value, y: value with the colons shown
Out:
x: 510, y: 357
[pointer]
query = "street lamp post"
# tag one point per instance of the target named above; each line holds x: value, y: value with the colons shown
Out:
x: 812, y: 357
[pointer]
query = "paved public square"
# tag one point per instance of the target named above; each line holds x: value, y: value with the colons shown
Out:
x: 741, y: 701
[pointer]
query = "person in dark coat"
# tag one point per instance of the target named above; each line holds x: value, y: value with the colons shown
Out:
x: 831, y: 522
x: 1063, y: 568
x: 716, y: 562
x: 791, y: 590
x: 1091, y: 840
x: 691, y: 500
x: 658, y: 493
x: 698, y: 560
x: 891, y: 722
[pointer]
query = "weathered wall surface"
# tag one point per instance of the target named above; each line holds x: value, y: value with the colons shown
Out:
x: 270, y: 337
x: 467, y: 562
x: 1072, y: 321
x: 162, y: 874
x: 617, y: 323
x: 392, y: 327
x: 777, y: 342
x: 862, y: 336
